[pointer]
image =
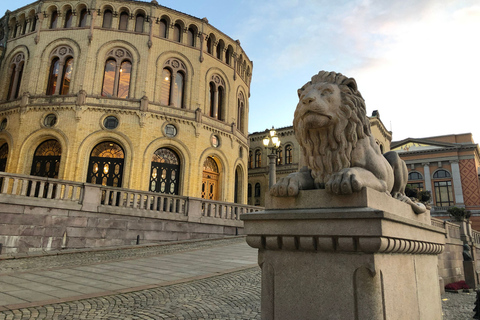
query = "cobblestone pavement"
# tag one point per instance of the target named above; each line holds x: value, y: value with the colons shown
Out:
x: 232, y: 296
x: 235, y: 295
x: 458, y: 306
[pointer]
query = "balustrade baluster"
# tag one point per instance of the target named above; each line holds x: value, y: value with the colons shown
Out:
x: 57, y: 190
x: 41, y: 188
x: 174, y: 207
x: 66, y: 193
x: 5, y: 183
x: 155, y: 203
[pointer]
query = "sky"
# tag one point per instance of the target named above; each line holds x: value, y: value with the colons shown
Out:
x: 415, y: 61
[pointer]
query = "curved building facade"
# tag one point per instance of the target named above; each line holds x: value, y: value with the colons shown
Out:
x: 127, y: 94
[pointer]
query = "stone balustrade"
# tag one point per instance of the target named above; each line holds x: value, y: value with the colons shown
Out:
x: 45, y: 214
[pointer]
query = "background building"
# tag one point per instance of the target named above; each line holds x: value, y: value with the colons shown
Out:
x: 290, y: 157
x: 126, y: 94
x: 448, y: 167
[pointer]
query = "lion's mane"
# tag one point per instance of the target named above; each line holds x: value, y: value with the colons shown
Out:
x: 328, y: 150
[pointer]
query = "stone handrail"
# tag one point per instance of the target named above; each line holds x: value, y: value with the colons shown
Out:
x: 225, y: 210
x: 135, y: 199
x: 97, y: 198
x: 38, y: 187
x: 438, y: 223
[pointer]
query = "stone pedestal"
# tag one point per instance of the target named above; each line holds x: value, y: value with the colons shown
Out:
x: 365, y: 256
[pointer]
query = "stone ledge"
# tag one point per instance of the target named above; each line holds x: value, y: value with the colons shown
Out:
x: 344, y: 244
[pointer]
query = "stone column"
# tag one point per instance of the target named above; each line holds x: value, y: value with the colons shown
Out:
x: 363, y: 256
x: 457, y: 183
x: 272, y: 170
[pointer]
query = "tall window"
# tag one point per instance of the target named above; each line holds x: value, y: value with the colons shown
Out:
x: 241, y: 112
x: 228, y: 55
x: 210, y: 42
x: 219, y: 49
x: 61, y: 69
x: 249, y: 191
x: 24, y: 27
x: 258, y: 158
x: 165, y: 172
x: 107, y: 19
x: 250, y: 159
x: 257, y: 190
x: 16, y: 69
x: 82, y: 19
x: 173, y: 83
x: 139, y: 22
x: 279, y: 156
x: 3, y: 157
x: 123, y: 23
x: 34, y: 23
x: 443, y: 188
x: 163, y: 28
x: 415, y: 180
x: 68, y: 19
x: 177, y: 33
x: 106, y: 164
x: 191, y: 37
x: 54, y: 20
x: 288, y: 154
x: 217, y: 97
x: 117, y: 74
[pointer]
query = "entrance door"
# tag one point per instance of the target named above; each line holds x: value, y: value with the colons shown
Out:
x: 165, y: 172
x: 46, y: 160
x: 210, y: 179
x: 106, y: 165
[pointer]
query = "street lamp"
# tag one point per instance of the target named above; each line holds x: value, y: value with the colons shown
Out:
x: 272, y: 142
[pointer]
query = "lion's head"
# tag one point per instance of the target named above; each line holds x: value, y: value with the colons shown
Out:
x: 329, y: 120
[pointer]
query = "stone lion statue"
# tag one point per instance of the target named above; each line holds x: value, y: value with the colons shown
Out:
x: 332, y: 128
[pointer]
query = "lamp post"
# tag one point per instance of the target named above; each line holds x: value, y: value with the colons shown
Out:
x: 272, y: 143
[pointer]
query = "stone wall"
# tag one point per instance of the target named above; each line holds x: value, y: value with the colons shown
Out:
x: 49, y: 214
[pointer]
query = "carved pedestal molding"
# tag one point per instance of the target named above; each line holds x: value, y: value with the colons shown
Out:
x: 365, y: 256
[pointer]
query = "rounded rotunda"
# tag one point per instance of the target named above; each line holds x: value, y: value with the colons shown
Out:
x: 125, y: 94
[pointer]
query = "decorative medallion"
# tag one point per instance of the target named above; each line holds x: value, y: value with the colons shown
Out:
x: 119, y: 53
x: 62, y: 51
x: 175, y: 64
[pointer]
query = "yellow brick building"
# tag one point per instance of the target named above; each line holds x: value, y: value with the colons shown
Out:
x: 124, y: 93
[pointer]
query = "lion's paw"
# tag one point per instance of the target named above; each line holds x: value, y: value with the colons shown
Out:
x: 292, y: 184
x: 344, y: 182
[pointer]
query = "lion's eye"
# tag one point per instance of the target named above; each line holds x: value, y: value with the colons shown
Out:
x: 326, y: 92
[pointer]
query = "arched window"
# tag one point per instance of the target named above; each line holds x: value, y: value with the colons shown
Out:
x: 258, y: 158
x: 46, y: 159
x: 191, y: 37
x: 61, y: 69
x: 257, y: 190
x: 439, y: 174
x: 279, y: 156
x: 443, y: 188
x: 217, y: 97
x: 139, y: 22
x: 173, y: 83
x: 53, y: 20
x: 414, y: 175
x: 250, y: 159
x: 177, y: 33
x: 210, y: 180
x: 3, y: 157
x: 241, y: 112
x: 106, y: 164
x: 107, y: 19
x: 165, y: 172
x: 220, y: 47
x: 24, y: 27
x: 238, y: 186
x: 68, y: 19
x: 16, y: 69
x: 210, y: 42
x: 82, y: 19
x: 163, y: 28
x: 34, y: 23
x: 249, y: 192
x: 288, y: 154
x: 228, y: 55
x: 117, y: 74
x: 123, y: 21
